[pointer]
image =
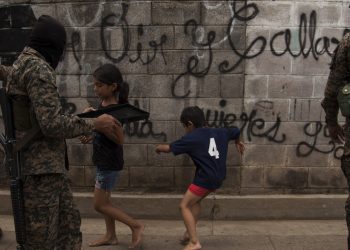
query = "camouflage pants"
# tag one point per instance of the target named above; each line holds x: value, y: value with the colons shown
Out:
x: 345, y: 166
x: 52, y: 220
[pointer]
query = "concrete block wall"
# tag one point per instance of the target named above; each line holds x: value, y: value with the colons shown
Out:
x: 259, y: 65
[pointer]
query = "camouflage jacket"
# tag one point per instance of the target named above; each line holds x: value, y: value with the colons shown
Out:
x: 338, y: 77
x: 31, y: 75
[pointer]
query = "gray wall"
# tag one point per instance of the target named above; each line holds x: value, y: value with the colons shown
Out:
x: 259, y: 65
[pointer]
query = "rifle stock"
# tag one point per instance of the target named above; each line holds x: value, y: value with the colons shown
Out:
x: 12, y: 165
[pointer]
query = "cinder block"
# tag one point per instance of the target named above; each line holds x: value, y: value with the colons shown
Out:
x: 87, y: 62
x: 208, y: 86
x: 327, y: 13
x: 43, y: 9
x: 225, y: 62
x: 305, y: 110
x: 90, y: 175
x: 320, y: 83
x: 68, y: 85
x: 290, y: 86
x: 87, y: 86
x: 163, y: 36
x: 139, y: 12
x: 255, y: 86
x: 76, y: 175
x: 219, y: 12
x: 252, y: 177
x: 174, y: 13
x: 123, y: 179
x: 150, y: 132
x: 327, y: 177
x: 305, y: 155
x: 149, y: 85
x: 135, y: 154
x: 286, y: 177
x: 311, y: 66
x: 256, y: 155
x: 267, y: 64
x: 173, y: 62
x: 184, y: 177
x: 233, y: 179
x: 80, y: 14
x: 232, y: 86
x: 271, y: 13
x: 80, y: 154
x: 233, y: 157
x: 166, y: 159
x: 167, y: 108
x: 267, y: 109
x: 153, y: 177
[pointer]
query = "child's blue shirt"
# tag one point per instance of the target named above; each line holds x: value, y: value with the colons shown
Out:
x: 207, y: 148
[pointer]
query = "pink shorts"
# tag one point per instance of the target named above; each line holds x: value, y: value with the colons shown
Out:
x: 199, y: 191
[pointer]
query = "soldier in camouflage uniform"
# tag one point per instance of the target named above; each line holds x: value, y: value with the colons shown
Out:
x: 52, y: 220
x: 338, y: 77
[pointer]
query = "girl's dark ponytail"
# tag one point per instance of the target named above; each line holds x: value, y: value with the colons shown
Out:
x: 123, y: 89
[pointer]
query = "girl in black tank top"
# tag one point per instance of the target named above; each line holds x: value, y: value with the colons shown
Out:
x: 108, y: 158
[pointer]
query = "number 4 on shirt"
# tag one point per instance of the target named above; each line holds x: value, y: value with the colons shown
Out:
x: 213, y: 151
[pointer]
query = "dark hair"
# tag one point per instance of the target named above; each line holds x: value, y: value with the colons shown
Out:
x: 110, y: 74
x: 193, y: 114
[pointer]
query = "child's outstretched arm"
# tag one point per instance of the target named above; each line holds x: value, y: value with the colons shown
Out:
x: 240, y: 146
x: 163, y: 148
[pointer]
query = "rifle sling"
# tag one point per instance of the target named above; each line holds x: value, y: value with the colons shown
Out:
x: 34, y: 131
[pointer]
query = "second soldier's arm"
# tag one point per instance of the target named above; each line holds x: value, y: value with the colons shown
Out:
x: 338, y: 77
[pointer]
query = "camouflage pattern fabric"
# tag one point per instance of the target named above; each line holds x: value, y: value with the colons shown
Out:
x: 52, y: 222
x: 52, y: 219
x: 339, y: 76
x: 31, y: 75
x: 4, y: 73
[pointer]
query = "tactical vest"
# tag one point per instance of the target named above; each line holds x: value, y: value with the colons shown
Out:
x: 25, y: 123
x: 344, y: 100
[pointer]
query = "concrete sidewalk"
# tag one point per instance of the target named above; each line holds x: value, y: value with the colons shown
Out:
x: 218, y: 235
x: 217, y: 207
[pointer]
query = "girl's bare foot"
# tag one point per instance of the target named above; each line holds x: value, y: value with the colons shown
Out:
x: 137, y: 234
x: 185, y: 239
x: 193, y: 246
x: 104, y: 242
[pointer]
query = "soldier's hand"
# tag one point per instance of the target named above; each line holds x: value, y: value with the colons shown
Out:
x: 89, y: 109
x: 110, y: 127
x: 85, y: 139
x: 336, y: 132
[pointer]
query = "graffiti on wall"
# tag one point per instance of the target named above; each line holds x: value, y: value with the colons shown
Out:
x: 309, y: 45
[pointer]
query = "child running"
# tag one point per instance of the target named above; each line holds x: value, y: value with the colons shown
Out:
x: 207, y: 148
x: 108, y: 158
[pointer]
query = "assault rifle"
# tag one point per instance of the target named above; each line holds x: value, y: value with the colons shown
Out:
x: 13, y: 169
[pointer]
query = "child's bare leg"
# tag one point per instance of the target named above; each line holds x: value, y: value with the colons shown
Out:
x: 110, y: 238
x: 196, y: 209
x: 186, y: 206
x: 105, y: 207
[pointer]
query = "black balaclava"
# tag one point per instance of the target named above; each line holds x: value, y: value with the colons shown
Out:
x: 48, y: 37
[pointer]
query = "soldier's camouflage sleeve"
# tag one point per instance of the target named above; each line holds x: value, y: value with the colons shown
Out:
x: 43, y: 93
x: 4, y: 72
x: 338, y: 77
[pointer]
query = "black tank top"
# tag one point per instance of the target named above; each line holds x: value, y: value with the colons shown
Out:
x: 107, y: 155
